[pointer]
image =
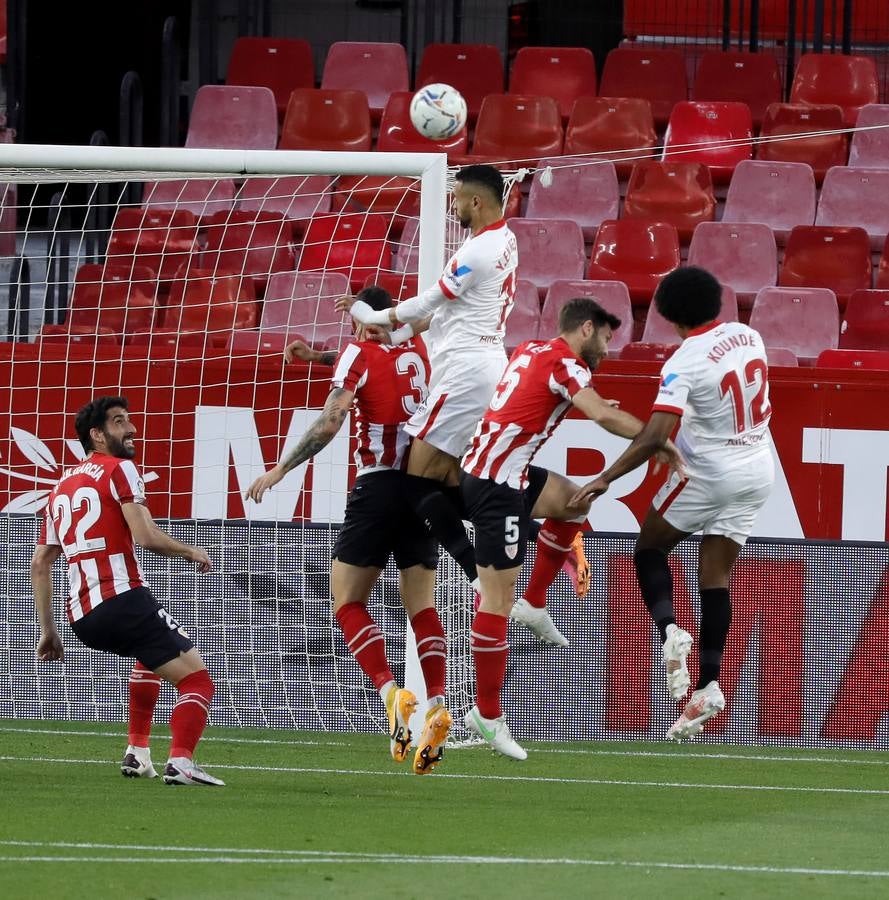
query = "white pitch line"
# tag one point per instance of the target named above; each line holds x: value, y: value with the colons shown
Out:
x: 529, y: 779
x: 693, y: 752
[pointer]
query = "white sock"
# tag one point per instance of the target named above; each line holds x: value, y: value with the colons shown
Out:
x: 384, y: 690
x: 435, y: 701
x: 143, y: 754
x: 477, y: 585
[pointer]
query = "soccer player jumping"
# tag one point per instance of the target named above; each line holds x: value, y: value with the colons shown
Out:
x: 93, y: 515
x: 716, y: 384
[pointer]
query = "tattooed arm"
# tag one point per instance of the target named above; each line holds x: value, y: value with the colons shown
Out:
x: 301, y: 350
x: 322, y: 431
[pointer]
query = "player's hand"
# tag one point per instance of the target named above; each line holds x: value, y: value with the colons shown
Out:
x: 672, y: 458
x: 50, y: 647
x: 199, y: 555
x: 298, y: 350
x: 589, y: 492
x: 377, y: 334
x: 614, y: 404
x: 256, y: 490
x: 344, y: 303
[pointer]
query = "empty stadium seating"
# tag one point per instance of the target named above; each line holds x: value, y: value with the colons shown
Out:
x: 743, y: 256
x: 781, y: 356
x: 581, y: 189
x: 303, y: 303
x: 679, y: 193
x: 820, y: 151
x: 750, y: 78
x: 871, y: 148
x: 351, y: 244
x: 203, y: 197
x: 612, y: 296
x: 804, y: 320
x: 855, y: 196
x: 883, y: 271
x: 778, y: 194
x: 248, y: 243
x: 636, y: 252
x: 617, y: 129
x: 376, y: 69
x: 475, y: 70
x: 296, y: 197
x: 388, y: 194
x: 280, y: 64
x: 232, y: 117
x: 326, y: 120
x: 400, y: 285
x: 659, y: 331
x: 397, y: 133
x: 523, y: 322
x: 160, y: 239
x: 866, y: 321
x: 642, y: 352
x: 521, y: 128
x: 849, y: 82
x: 877, y: 360
x: 835, y: 258
x: 549, y: 249
x: 563, y: 73
x: 655, y: 75
x: 694, y: 125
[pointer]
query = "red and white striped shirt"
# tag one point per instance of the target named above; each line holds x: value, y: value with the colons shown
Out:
x: 389, y: 384
x: 532, y: 398
x: 84, y: 517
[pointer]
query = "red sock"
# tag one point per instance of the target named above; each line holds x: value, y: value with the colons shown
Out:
x: 365, y: 642
x: 489, y: 651
x: 145, y: 688
x: 432, y: 650
x: 190, y: 712
x: 553, y: 546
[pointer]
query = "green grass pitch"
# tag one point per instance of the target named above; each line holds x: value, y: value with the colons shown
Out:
x: 329, y: 815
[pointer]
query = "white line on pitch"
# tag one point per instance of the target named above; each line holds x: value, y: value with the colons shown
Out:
x: 531, y: 779
x: 693, y: 752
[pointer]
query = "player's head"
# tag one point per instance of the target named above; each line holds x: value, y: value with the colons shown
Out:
x: 375, y: 297
x: 587, y: 328
x: 104, y: 426
x: 689, y: 297
x: 478, y: 195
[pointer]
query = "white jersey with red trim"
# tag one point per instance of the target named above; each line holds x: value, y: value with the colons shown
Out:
x: 389, y: 384
x: 532, y: 398
x: 479, y: 283
x: 718, y: 381
x: 84, y: 516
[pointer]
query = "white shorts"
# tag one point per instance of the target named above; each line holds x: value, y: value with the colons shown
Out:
x: 457, y: 402
x: 725, y: 503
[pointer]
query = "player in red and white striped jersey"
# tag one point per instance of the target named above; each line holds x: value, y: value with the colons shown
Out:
x: 502, y: 491
x: 386, y: 384
x: 92, y: 517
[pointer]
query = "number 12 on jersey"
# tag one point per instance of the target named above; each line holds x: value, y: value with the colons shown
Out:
x: 752, y: 412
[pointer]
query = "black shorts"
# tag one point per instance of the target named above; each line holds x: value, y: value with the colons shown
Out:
x: 500, y: 515
x: 379, y: 521
x: 134, y: 624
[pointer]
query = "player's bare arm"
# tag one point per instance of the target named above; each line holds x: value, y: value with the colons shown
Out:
x: 49, y: 647
x: 653, y: 438
x: 300, y: 350
x: 146, y: 533
x: 319, y: 434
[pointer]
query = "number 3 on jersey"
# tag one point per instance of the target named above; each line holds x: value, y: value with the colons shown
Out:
x: 757, y: 410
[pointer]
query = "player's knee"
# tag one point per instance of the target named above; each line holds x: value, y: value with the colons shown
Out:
x: 198, y: 682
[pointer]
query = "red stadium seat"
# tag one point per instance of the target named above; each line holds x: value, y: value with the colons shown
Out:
x: 252, y: 342
x: 695, y: 125
x: 781, y: 356
x: 612, y: 296
x: 202, y: 196
x: 248, y: 243
x: 856, y: 197
x: 295, y: 197
x: 397, y: 133
x: 834, y: 258
x: 304, y: 303
x: 741, y: 256
x: 376, y: 69
x: 679, y: 193
x: 871, y: 148
x: 659, y: 331
x: 233, y: 118
x: 778, y: 194
x: 849, y: 82
x: 866, y: 321
x: 549, y: 249
x: 750, y: 78
x: 820, y: 151
x: 475, y: 70
x: 120, y: 299
x: 581, y: 189
x: 400, y: 285
x: 160, y: 239
x: 636, y: 252
x: 326, y: 120
x: 616, y: 129
x: 388, y: 194
x: 406, y: 256
x: 523, y: 322
x: 563, y: 73
x: 877, y: 360
x: 883, y: 271
x: 351, y: 244
x: 520, y: 128
x: 655, y: 75
x: 641, y: 352
x: 804, y: 320
x: 280, y: 64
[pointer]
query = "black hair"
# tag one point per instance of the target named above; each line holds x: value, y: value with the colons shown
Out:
x: 689, y: 296
x: 584, y: 309
x: 95, y: 415
x: 483, y: 176
x: 375, y: 297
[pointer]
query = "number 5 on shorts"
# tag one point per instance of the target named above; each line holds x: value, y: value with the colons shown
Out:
x: 511, y: 529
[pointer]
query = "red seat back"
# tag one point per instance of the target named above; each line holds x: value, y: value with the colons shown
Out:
x: 119, y: 298
x: 870, y: 147
x: 850, y: 82
x: 280, y: 64
x: 680, y: 193
x: 694, y: 125
x: 304, y: 302
x: 852, y: 196
x: 326, y: 120
x: 523, y: 322
x: 294, y: 197
x: 210, y: 301
x: 161, y: 239
x: 750, y: 78
x: 820, y: 151
x: 611, y: 128
x: 399, y: 285
x: 249, y: 243
x: 655, y: 75
x: 233, y: 117
x: 658, y: 330
x: 376, y: 69
x: 202, y: 196
x: 563, y: 73
x: 475, y: 70
x: 612, y: 296
x: 804, y: 320
x: 877, y: 360
x: 866, y: 321
x: 351, y: 244
x: 549, y: 249
x: 520, y: 128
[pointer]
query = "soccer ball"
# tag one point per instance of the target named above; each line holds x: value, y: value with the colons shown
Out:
x: 438, y: 111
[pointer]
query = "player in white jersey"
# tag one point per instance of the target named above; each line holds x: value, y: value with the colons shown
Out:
x: 716, y: 385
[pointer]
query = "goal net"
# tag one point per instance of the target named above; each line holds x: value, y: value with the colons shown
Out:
x: 176, y: 278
